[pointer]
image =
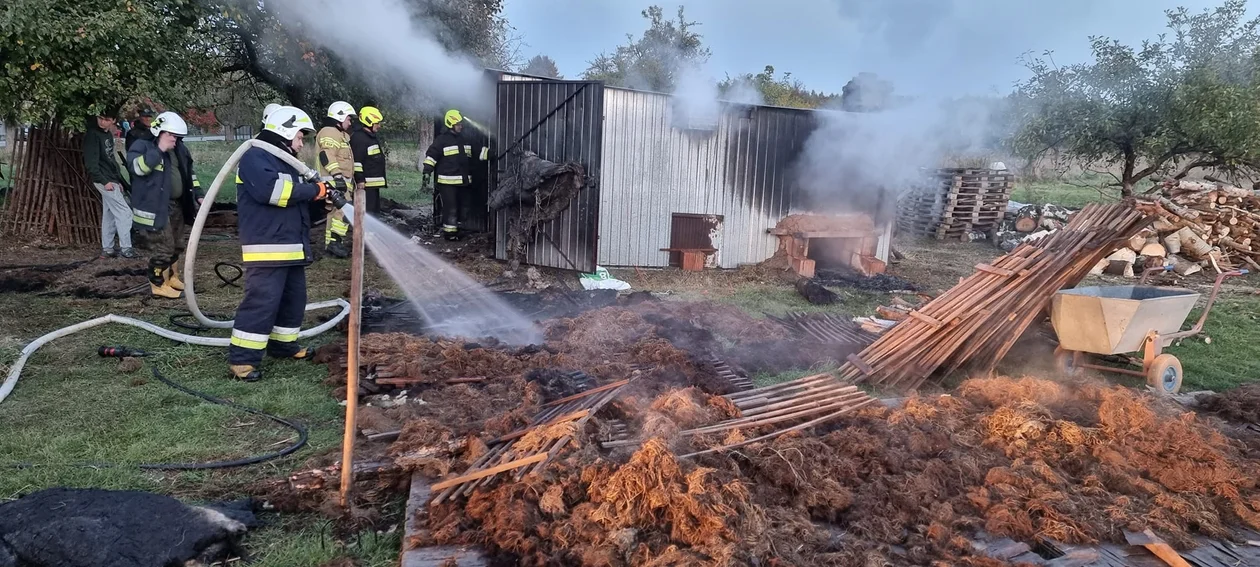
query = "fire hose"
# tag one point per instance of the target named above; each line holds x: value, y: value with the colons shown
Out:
x: 190, y: 262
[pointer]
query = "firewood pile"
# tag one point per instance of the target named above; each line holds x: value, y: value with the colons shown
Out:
x: 978, y: 321
x: 1199, y: 226
x: 961, y: 204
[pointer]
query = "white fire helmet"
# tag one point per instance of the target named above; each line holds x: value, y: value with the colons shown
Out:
x: 288, y: 122
x: 267, y: 110
x: 340, y: 110
x: 169, y: 122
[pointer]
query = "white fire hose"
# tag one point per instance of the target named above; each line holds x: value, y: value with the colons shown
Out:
x: 194, y: 237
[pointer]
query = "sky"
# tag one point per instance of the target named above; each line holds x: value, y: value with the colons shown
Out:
x: 948, y: 47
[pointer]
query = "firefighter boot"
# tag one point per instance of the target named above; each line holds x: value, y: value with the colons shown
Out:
x: 171, y: 273
x: 337, y: 248
x: 158, y: 284
x: 246, y: 373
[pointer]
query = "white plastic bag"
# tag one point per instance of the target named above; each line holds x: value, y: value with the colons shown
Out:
x: 601, y: 279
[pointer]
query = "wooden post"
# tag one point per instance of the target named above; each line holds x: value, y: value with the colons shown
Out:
x: 352, y: 350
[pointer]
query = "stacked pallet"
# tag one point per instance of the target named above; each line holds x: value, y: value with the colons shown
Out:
x: 979, y: 320
x: 956, y: 204
x: 1203, y: 226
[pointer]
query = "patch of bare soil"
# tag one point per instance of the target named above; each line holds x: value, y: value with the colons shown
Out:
x: 1240, y: 404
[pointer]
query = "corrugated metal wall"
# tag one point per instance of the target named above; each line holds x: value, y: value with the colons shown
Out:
x: 560, y: 121
x: 652, y: 169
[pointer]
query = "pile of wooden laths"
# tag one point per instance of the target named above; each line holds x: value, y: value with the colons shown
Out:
x: 961, y: 204
x: 979, y: 320
x: 52, y: 196
x: 1204, y: 226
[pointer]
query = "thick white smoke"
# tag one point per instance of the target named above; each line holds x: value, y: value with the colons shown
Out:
x: 698, y: 98
x: 388, y: 47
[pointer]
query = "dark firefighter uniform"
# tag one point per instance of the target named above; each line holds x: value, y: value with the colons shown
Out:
x: 335, y: 161
x: 164, y: 196
x: 274, y: 222
x: 369, y: 158
x: 450, y: 160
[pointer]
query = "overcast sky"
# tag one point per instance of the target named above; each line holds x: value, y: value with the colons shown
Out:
x: 943, y: 46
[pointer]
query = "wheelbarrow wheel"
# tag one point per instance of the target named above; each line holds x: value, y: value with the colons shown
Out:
x: 1065, y: 363
x: 1164, y: 375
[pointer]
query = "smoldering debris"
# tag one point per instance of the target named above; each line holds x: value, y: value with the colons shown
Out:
x: 1024, y: 459
x: 815, y: 293
x: 852, y: 279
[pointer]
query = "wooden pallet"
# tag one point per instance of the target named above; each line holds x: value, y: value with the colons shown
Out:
x: 826, y: 328
x: 940, y: 208
x: 503, y: 457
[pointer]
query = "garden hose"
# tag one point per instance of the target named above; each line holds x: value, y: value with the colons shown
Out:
x: 190, y: 260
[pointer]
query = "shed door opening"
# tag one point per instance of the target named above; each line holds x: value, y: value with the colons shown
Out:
x: 692, y: 232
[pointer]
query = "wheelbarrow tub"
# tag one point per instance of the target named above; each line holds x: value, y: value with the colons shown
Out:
x: 1116, y: 319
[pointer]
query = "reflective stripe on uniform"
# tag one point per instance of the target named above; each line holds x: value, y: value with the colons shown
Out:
x: 332, y: 167
x: 358, y: 167
x: 331, y: 143
x: 374, y: 149
x: 373, y: 181
x: 284, y: 334
x: 485, y: 154
x: 430, y: 161
x: 468, y: 151
x: 238, y: 178
x: 337, y: 227
x: 140, y: 167
x: 282, y: 190
x: 252, y: 341
x: 450, y: 150
x: 196, y: 183
x: 272, y: 252
x: 140, y: 217
x: 451, y: 179
x: 449, y: 228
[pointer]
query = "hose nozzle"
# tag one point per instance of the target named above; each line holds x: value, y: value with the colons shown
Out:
x: 120, y: 352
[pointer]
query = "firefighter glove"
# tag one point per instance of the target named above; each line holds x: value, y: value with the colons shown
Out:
x: 339, y: 183
x: 337, y: 198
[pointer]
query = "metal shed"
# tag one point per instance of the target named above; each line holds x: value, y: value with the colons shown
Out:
x: 656, y: 179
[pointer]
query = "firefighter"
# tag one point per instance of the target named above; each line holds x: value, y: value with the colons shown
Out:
x: 451, y: 159
x: 274, y: 221
x: 165, y: 194
x: 140, y: 130
x: 369, y: 158
x: 336, y: 163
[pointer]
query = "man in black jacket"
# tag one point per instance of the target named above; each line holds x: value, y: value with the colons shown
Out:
x: 369, y: 158
x: 449, y: 162
x: 102, y: 167
x: 140, y: 128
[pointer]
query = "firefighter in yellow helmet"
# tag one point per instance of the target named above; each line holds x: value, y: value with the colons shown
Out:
x: 369, y: 157
x: 336, y: 166
x: 449, y: 162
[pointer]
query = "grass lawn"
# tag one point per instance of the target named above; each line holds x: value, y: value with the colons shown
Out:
x: 1070, y: 191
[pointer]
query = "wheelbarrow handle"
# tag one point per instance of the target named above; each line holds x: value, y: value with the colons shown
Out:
x: 1216, y: 289
x: 1147, y: 272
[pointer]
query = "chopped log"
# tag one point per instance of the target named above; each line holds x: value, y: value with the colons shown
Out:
x: 1119, y: 268
x: 1025, y: 224
x: 1231, y: 243
x: 1123, y: 255
x: 1162, y: 225
x: 1172, y: 242
x: 1183, y: 266
x: 1137, y: 241
x: 891, y: 313
x: 1153, y: 250
x: 1193, y: 244
x: 1183, y: 212
x: 1098, y: 268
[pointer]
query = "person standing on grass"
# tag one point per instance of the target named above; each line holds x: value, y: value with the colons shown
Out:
x: 107, y: 178
x: 336, y: 167
x: 140, y: 128
x: 165, y: 194
x: 369, y: 158
x: 274, y: 217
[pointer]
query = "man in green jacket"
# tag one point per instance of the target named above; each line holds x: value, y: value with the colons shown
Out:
x: 103, y: 169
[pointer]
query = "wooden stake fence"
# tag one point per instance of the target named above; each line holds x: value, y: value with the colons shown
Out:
x: 52, y: 196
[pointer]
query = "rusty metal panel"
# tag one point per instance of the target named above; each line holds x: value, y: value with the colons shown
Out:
x: 653, y: 169
x: 561, y: 121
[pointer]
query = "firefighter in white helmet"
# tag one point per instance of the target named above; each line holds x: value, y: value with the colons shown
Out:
x: 336, y: 165
x: 274, y: 221
x: 165, y: 194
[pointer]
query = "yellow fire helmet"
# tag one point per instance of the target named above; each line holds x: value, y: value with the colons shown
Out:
x: 370, y: 116
x: 453, y: 117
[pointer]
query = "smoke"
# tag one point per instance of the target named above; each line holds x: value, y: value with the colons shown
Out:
x: 389, y: 48
x: 698, y: 97
x: 931, y: 99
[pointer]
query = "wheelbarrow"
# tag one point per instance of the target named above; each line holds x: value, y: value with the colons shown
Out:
x: 1111, y: 320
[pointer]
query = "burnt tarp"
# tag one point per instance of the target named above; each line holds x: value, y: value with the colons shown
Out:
x: 533, y: 191
x: 70, y: 527
x: 561, y: 122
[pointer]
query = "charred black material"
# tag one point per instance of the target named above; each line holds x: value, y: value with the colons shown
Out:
x: 850, y: 278
x: 67, y: 527
x: 815, y: 293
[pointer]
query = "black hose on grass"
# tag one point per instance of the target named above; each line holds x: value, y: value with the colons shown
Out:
x: 292, y: 448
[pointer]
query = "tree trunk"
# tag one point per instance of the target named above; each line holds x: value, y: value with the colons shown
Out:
x: 1127, y: 180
